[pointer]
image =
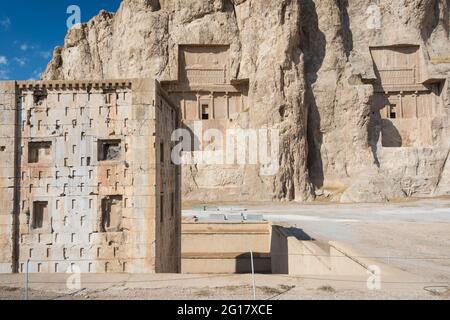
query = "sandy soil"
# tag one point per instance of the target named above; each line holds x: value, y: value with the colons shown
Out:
x: 235, y: 287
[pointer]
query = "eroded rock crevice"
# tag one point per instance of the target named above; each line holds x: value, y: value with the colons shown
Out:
x: 311, y: 75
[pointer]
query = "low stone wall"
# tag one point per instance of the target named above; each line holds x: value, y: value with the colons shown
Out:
x: 224, y: 248
x: 296, y: 257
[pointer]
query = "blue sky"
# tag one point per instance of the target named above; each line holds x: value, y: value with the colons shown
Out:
x: 31, y: 29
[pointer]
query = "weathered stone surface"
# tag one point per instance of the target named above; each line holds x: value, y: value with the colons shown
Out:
x: 311, y: 76
x: 93, y: 186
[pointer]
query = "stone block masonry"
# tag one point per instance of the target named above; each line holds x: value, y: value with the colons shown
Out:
x: 86, y: 178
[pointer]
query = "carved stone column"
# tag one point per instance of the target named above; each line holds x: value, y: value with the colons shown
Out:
x: 183, y: 107
x: 434, y: 94
x: 199, y: 112
x: 213, y: 107
x: 387, y: 108
x: 416, y: 109
x: 227, y: 98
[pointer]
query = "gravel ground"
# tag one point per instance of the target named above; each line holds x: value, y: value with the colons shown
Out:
x: 236, y: 287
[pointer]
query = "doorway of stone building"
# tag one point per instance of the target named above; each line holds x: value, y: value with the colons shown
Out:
x: 205, y: 111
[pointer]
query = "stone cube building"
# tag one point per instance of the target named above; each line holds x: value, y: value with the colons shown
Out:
x: 87, y: 179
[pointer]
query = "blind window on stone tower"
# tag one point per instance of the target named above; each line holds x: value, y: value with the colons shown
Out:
x: 39, y: 152
x: 161, y: 206
x: 109, y: 150
x: 161, y: 152
x: 111, y: 214
x: 40, y: 209
x: 39, y: 98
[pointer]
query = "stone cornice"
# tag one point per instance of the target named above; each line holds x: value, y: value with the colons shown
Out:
x: 75, y: 84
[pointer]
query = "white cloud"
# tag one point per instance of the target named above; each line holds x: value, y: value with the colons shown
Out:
x: 4, y: 71
x: 36, y: 75
x: 5, y: 23
x: 45, y: 54
x: 4, y: 74
x: 25, y: 47
x: 21, y: 61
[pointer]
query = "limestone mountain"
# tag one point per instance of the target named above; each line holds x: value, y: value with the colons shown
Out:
x: 358, y: 89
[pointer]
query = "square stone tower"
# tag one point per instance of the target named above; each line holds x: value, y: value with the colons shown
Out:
x: 87, y: 182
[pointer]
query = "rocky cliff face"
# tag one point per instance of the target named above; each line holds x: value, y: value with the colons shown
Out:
x: 311, y: 75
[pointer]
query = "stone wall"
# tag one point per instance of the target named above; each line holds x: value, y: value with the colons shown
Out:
x: 8, y: 173
x: 90, y: 177
x: 168, y: 186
